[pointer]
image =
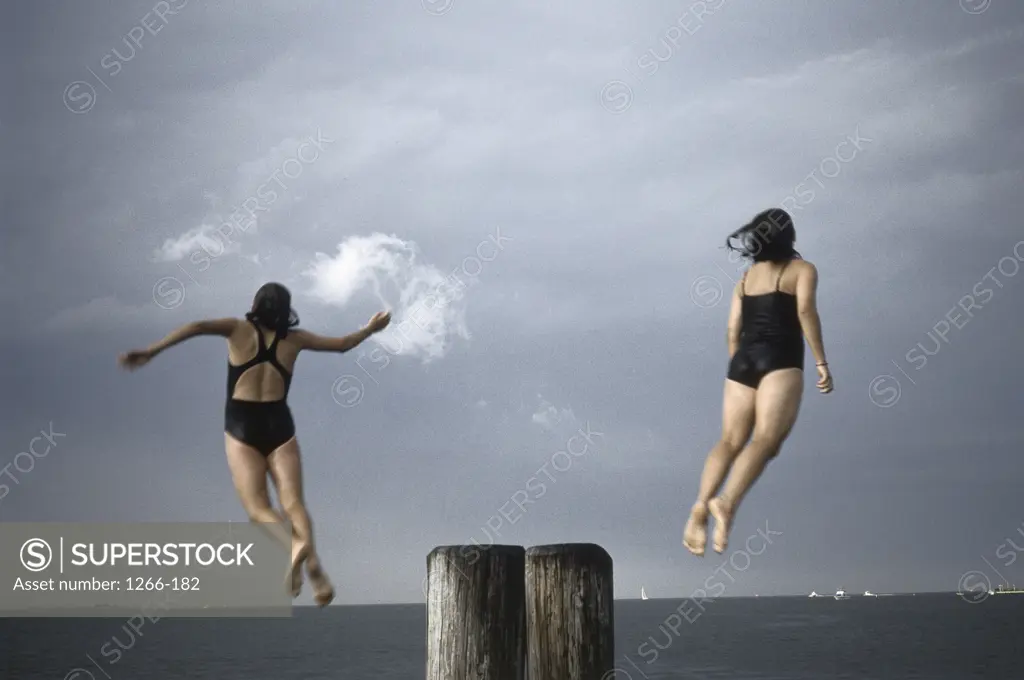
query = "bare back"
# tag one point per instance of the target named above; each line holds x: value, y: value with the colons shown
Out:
x: 763, y: 277
x: 262, y: 382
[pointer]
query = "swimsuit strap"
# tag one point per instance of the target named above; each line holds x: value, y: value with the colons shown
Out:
x: 778, y: 281
x: 262, y: 346
x: 272, y: 349
x: 270, y: 355
x: 264, y: 355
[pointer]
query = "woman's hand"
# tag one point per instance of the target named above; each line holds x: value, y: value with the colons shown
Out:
x: 379, y: 322
x: 137, y: 358
x: 824, y: 379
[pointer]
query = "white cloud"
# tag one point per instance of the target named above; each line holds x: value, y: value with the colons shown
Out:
x: 427, y: 308
x: 259, y: 188
x: 204, y: 237
x: 549, y: 416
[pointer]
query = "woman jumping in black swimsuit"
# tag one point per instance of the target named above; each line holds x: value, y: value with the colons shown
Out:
x: 773, y: 308
x: 259, y: 433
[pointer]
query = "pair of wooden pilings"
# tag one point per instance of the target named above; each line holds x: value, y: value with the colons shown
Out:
x: 502, y: 612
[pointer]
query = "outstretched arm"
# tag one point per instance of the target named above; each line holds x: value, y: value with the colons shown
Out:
x: 735, y: 322
x: 221, y: 327
x: 321, y: 343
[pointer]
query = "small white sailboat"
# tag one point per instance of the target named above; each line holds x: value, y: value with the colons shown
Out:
x: 841, y: 595
x: 813, y: 594
x: 643, y: 594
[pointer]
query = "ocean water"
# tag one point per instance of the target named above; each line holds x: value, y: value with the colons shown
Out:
x: 933, y: 637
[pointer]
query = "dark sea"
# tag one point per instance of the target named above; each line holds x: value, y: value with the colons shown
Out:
x: 927, y: 637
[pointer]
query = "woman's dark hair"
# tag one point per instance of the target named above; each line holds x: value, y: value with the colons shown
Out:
x: 272, y: 308
x: 769, y: 237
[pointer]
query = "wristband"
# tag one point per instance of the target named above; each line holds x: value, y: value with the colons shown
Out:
x: 823, y: 363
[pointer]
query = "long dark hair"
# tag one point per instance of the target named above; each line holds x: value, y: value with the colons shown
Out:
x: 272, y: 308
x: 769, y: 237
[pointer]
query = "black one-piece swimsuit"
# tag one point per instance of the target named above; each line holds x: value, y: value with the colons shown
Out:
x: 770, y: 338
x: 263, y: 425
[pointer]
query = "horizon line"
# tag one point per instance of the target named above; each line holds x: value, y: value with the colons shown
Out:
x: 650, y: 599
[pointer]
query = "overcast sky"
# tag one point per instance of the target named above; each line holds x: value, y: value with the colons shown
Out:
x: 540, y: 190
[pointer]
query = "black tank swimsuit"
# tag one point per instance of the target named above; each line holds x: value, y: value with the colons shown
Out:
x: 263, y: 425
x: 770, y: 337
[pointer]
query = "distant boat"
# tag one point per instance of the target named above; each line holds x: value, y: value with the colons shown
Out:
x: 868, y: 593
x: 643, y: 594
x: 1006, y: 590
x: 813, y: 594
x: 841, y: 595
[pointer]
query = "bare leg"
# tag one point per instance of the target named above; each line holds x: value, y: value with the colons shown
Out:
x: 777, y: 405
x: 737, y: 422
x: 286, y: 471
x: 249, y: 472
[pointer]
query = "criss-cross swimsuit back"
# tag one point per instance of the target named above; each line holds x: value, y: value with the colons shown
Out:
x: 771, y: 337
x: 263, y: 425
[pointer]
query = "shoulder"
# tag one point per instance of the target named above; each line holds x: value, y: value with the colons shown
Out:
x: 299, y: 337
x: 805, y: 268
x: 225, y: 326
x: 806, y: 278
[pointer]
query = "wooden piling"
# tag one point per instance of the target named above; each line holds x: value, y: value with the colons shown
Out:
x: 476, y: 622
x: 570, y: 627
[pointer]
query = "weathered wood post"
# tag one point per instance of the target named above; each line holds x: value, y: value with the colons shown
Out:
x: 570, y: 627
x: 476, y: 619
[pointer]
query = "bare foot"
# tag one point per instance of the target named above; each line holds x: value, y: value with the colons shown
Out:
x: 695, y: 535
x: 323, y: 591
x: 722, y: 513
x: 293, y: 581
x: 294, y: 575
